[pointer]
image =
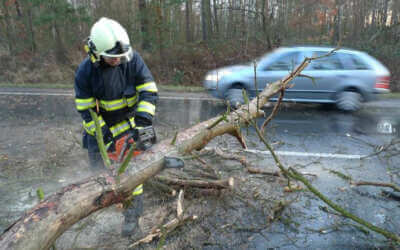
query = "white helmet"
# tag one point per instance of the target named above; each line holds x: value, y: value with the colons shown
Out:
x: 108, y: 38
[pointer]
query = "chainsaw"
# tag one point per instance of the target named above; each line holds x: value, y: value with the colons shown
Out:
x: 141, y: 140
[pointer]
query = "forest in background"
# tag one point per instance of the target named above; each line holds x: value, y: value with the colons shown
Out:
x: 41, y: 41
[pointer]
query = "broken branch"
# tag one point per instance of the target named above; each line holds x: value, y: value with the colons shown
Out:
x: 227, y: 183
x: 378, y: 184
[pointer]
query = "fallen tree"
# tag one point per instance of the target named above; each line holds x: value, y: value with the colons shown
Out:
x: 39, y: 227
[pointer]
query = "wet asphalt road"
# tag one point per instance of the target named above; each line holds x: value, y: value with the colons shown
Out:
x: 308, y: 137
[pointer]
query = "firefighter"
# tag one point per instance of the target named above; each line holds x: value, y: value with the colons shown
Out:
x: 115, y: 82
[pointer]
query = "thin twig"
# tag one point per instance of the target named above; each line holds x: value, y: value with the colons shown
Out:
x: 296, y: 175
x: 378, y: 184
x: 274, y: 111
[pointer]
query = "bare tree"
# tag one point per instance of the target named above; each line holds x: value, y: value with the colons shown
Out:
x: 143, y: 14
x: 206, y: 19
x: 188, y: 14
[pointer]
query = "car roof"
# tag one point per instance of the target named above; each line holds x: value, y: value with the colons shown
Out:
x: 367, y: 58
x: 320, y: 48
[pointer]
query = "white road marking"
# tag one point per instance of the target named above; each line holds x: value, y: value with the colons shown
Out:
x: 305, y: 154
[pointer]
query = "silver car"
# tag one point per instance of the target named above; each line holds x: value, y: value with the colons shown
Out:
x: 345, y: 78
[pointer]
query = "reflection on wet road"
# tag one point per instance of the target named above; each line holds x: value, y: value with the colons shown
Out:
x: 305, y: 130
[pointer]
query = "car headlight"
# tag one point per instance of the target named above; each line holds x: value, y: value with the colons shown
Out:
x: 215, y: 76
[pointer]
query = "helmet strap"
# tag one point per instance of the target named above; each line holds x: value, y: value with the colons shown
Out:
x: 90, y: 48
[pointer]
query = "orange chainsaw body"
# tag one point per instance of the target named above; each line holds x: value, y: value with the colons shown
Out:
x: 122, y: 146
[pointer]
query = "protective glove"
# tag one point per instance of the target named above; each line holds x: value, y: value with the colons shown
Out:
x: 146, y: 137
x: 89, y: 141
x: 142, y: 121
x: 107, y: 135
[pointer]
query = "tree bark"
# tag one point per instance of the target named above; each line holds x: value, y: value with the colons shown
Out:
x: 188, y: 14
x: 9, y: 28
x: 144, y: 24
x: 216, y: 21
x: 39, y: 227
x: 206, y: 19
x: 31, y: 29
x: 265, y: 23
x: 160, y: 29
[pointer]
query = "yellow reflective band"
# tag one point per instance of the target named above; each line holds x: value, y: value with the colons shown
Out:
x: 86, y: 48
x: 138, y: 190
x: 109, y: 145
x: 90, y: 127
x: 132, y: 100
x: 148, y: 86
x: 132, y: 121
x: 113, y: 105
x: 148, y: 107
x: 119, y: 128
x: 84, y: 104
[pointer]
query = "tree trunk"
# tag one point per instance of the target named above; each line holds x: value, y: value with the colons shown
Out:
x: 9, y: 28
x: 18, y: 8
x: 59, y: 46
x: 159, y: 27
x: 206, y: 19
x: 265, y: 23
x: 39, y: 227
x: 337, y: 23
x: 143, y: 12
x: 31, y: 29
x: 188, y: 14
x: 395, y: 12
x: 216, y: 21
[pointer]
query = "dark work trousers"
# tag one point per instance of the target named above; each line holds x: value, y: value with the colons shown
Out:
x: 132, y: 213
x: 95, y: 161
x: 134, y: 208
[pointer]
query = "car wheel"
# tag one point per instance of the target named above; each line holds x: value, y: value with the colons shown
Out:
x: 349, y: 101
x: 235, y: 97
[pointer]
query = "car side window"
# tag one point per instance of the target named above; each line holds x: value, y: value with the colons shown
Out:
x: 354, y: 62
x: 286, y: 62
x: 331, y: 62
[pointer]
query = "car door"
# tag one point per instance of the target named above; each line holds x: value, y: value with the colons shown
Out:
x: 321, y: 78
x: 277, y: 69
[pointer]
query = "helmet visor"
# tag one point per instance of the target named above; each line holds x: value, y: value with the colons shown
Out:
x: 123, y: 51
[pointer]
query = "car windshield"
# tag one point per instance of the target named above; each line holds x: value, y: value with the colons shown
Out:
x: 266, y: 57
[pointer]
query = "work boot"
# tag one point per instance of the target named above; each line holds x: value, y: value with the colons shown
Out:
x: 130, y: 226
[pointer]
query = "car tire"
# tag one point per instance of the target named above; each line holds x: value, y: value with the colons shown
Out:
x: 349, y: 101
x: 234, y: 97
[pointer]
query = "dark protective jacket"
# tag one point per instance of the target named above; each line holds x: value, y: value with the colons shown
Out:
x: 125, y: 94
